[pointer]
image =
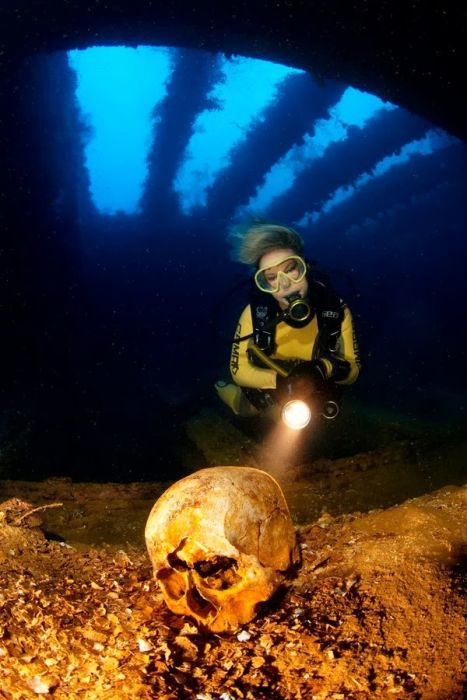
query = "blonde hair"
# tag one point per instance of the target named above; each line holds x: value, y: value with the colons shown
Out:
x: 251, y: 241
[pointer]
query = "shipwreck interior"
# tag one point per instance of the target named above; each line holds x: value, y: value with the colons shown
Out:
x: 115, y: 325
x: 343, y: 576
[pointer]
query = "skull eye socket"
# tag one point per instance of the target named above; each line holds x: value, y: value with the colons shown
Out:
x: 172, y: 582
x: 199, y: 605
x: 176, y: 563
x: 212, y: 567
x: 218, y: 573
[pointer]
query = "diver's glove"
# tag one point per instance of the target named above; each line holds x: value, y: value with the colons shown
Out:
x: 315, y: 369
x: 324, y: 369
x: 306, y: 380
x: 310, y: 377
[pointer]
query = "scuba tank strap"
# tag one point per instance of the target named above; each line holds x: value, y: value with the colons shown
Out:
x: 264, y: 317
x: 329, y: 313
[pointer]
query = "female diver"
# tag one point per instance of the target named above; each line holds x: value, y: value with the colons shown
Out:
x: 296, y: 336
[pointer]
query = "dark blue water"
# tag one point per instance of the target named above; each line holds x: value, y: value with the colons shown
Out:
x: 117, y: 324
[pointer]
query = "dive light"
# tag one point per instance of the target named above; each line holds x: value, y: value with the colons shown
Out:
x: 296, y: 414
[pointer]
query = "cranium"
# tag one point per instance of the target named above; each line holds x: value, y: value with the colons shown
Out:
x: 220, y: 542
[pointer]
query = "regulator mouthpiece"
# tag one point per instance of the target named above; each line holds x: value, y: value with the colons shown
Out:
x: 298, y: 308
x: 296, y: 414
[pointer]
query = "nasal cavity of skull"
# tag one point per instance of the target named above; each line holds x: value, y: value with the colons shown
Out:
x: 172, y: 582
x: 218, y: 572
x: 199, y: 605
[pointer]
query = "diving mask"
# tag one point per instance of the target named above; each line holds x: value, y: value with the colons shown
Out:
x: 283, y: 273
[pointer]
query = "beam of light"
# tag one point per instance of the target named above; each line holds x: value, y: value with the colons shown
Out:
x: 280, y: 451
x: 118, y: 90
x: 433, y: 140
x: 248, y: 86
x: 355, y: 108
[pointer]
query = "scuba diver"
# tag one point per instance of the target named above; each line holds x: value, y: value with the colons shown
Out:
x: 295, y: 341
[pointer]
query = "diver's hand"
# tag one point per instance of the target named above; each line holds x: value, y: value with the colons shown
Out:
x: 305, y: 381
x: 313, y: 371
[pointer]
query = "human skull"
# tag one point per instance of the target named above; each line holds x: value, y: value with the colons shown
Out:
x: 220, y: 542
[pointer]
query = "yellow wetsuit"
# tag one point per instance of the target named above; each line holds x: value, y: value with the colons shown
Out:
x: 290, y: 344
